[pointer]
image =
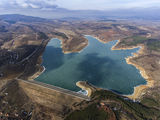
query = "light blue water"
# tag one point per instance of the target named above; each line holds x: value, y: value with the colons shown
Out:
x: 96, y: 63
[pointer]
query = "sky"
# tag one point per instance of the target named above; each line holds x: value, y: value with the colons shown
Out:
x: 78, y: 4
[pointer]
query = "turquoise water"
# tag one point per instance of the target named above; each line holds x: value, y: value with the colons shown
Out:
x: 96, y: 63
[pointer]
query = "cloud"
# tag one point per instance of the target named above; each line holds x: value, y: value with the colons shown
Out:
x: 79, y: 4
x: 107, y: 4
x: 36, y: 4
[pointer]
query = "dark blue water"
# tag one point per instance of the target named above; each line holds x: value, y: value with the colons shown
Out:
x: 96, y: 63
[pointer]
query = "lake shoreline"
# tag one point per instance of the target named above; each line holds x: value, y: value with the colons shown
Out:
x: 40, y: 71
x: 140, y: 89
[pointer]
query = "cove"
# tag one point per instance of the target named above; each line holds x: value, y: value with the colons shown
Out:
x: 97, y: 64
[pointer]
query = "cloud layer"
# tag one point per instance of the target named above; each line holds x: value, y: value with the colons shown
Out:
x: 79, y: 4
x: 107, y: 4
x: 36, y: 4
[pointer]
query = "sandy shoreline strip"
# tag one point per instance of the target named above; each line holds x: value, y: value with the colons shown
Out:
x: 139, y: 90
x: 37, y: 74
x: 40, y: 71
x: 100, y: 39
x: 128, y: 48
x: 81, y: 85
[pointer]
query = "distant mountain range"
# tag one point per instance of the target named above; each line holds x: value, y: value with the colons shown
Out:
x: 12, y: 18
x: 59, y: 13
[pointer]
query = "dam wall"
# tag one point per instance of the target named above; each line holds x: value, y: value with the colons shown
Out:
x: 51, y: 96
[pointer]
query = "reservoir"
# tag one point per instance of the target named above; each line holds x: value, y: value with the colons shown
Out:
x: 96, y: 63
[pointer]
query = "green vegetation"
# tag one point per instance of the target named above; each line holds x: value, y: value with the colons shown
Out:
x: 89, y: 113
x: 60, y: 34
x: 42, y: 35
x: 125, y: 106
x: 135, y: 40
x: 152, y: 44
x: 139, y: 111
x: 155, y: 45
x: 150, y: 102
